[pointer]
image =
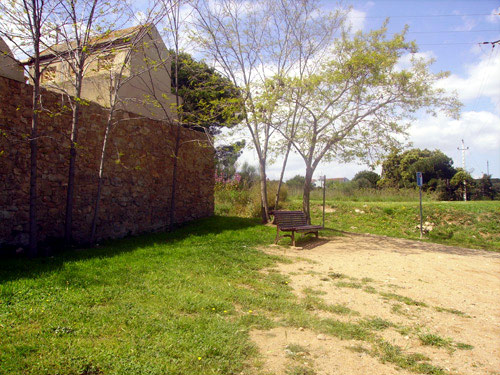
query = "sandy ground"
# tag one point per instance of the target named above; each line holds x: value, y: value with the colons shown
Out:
x: 455, y: 279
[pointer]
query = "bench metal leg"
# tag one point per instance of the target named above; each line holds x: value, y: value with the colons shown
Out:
x: 293, y: 238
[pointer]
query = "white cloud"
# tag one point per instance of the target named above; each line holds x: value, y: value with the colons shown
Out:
x: 405, y: 61
x: 482, y: 80
x: 494, y: 17
x: 356, y: 19
x: 468, y: 24
x: 480, y: 130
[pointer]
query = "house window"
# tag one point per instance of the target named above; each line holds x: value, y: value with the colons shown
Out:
x: 49, y: 74
x: 105, y: 62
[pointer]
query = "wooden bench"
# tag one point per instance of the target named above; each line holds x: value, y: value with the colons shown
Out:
x: 293, y: 221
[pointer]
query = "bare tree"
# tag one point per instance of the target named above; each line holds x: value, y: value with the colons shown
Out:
x: 77, y: 24
x: 23, y: 24
x: 118, y: 76
x: 251, y: 42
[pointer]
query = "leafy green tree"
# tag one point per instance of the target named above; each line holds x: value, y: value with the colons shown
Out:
x: 484, y: 188
x: 249, y: 175
x: 399, y: 169
x: 296, y: 181
x: 391, y: 175
x: 368, y: 178
x: 496, y: 187
x: 209, y: 100
x: 463, y: 184
x: 358, y: 102
x: 226, y: 157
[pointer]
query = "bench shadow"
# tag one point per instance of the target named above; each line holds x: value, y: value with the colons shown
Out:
x: 13, y: 268
x: 312, y: 243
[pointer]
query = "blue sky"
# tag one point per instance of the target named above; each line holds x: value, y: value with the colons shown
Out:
x: 450, y: 32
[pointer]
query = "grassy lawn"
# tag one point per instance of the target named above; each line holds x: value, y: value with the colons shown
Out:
x: 165, y: 303
x: 473, y: 224
x: 178, y: 303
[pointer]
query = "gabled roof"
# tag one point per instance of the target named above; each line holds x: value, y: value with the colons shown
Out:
x: 115, y: 38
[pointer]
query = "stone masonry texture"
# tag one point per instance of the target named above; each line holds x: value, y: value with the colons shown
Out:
x: 138, y: 170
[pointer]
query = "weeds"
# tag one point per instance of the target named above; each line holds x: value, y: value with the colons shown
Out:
x: 294, y: 350
x: 406, y: 300
x: 370, y: 289
x: 336, y: 275
x: 434, y: 340
x: 415, y: 362
x: 376, y: 323
x: 347, y: 284
x: 451, y: 311
x: 300, y: 370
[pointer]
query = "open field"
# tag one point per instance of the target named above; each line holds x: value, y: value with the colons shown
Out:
x: 204, y: 299
x: 473, y: 224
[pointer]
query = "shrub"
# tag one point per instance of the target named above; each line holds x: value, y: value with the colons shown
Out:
x: 235, y: 199
x: 272, y: 187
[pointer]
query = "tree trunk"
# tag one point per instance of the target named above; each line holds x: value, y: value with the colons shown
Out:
x: 263, y: 192
x: 281, y: 176
x: 33, y: 229
x: 71, y: 174
x: 307, y: 193
x: 100, y: 179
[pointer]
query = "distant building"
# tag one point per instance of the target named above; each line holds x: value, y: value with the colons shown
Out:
x: 146, y: 71
x: 9, y: 66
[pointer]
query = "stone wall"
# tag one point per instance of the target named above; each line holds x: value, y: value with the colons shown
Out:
x: 138, y: 171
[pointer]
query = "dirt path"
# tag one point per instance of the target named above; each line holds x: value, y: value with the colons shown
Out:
x: 439, y: 301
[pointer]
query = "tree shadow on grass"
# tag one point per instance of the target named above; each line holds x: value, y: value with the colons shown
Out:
x: 22, y: 267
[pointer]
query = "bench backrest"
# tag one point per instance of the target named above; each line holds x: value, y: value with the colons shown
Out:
x: 289, y: 218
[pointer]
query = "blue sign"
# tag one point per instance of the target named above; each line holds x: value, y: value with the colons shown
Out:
x: 420, y: 179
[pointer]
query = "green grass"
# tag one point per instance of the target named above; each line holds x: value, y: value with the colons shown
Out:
x: 351, y: 194
x: 431, y: 339
x: 468, y: 224
x: 175, y: 303
x: 451, y: 311
x: 312, y: 302
x: 376, y: 323
x: 349, y: 284
x: 300, y: 370
x: 414, y: 362
x: 406, y: 300
x: 440, y: 342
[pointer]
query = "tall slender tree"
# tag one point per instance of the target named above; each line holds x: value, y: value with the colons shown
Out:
x: 117, y: 77
x: 252, y: 41
x: 23, y: 24
x: 78, y: 25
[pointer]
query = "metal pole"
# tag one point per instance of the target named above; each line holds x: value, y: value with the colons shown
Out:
x: 463, y: 149
x: 324, y: 189
x: 421, y: 214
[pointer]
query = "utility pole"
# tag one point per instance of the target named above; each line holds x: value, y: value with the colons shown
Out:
x: 488, y: 167
x: 463, y: 149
